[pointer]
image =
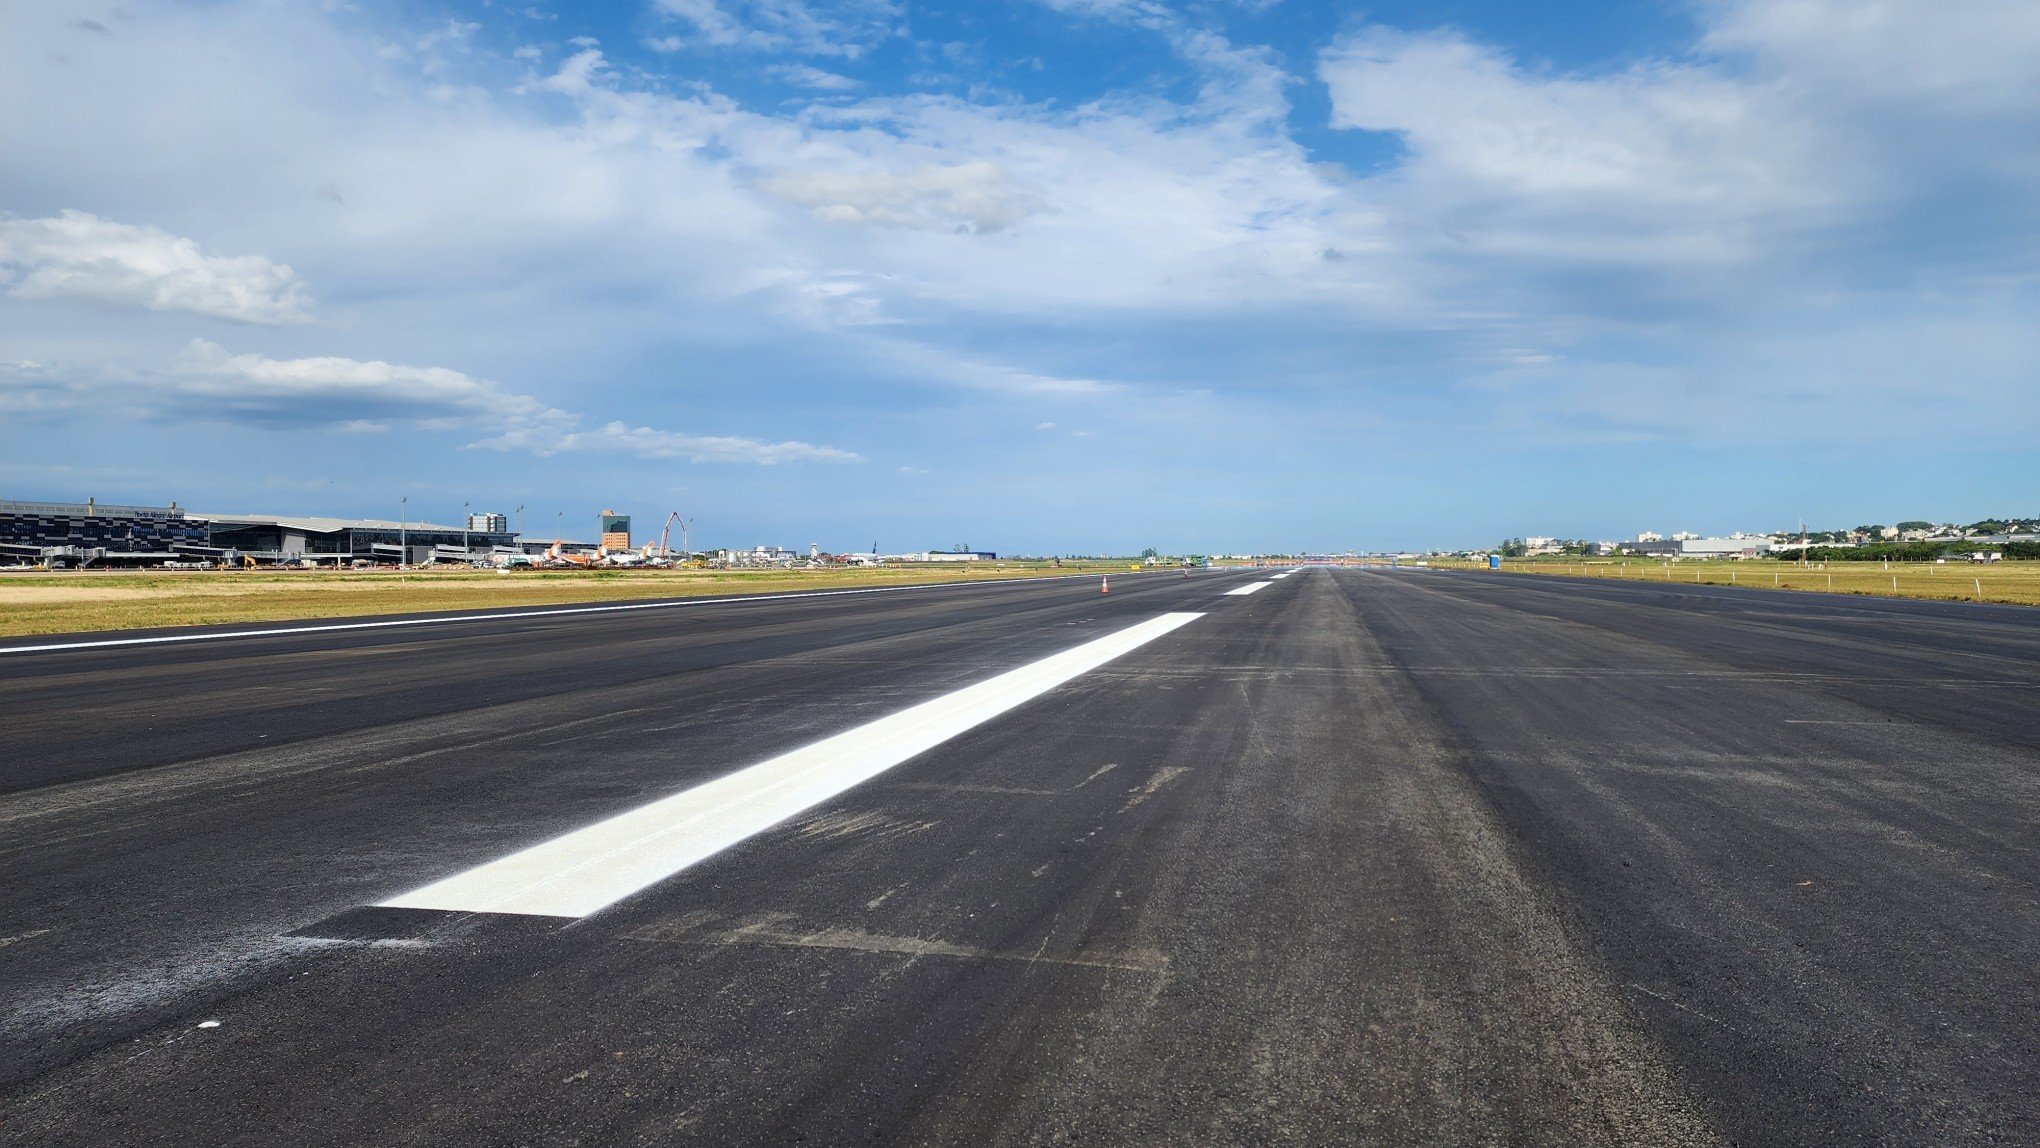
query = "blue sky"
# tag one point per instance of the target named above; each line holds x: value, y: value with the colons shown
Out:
x: 1041, y: 276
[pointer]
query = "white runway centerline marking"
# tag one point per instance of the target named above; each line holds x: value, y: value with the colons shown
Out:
x: 1248, y: 588
x: 583, y: 871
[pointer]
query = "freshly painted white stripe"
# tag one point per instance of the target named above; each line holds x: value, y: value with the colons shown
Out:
x: 1249, y: 588
x: 1281, y: 576
x: 444, y: 619
x: 582, y: 871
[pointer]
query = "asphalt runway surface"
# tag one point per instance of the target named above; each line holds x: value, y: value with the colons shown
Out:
x: 1359, y: 857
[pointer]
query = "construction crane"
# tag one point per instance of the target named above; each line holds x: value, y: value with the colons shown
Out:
x: 666, y: 536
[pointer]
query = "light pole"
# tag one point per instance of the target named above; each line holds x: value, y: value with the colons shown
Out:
x: 467, y: 519
x: 558, y: 526
x: 403, y: 531
x: 520, y: 524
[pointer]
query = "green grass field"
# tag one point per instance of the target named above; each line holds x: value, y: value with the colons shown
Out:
x: 69, y: 602
x: 2012, y: 582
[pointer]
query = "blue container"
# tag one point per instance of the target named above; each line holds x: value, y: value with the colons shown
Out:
x: 1494, y: 562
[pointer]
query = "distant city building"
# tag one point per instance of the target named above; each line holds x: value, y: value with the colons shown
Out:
x: 1693, y: 547
x: 1649, y: 536
x: 755, y: 556
x: 615, y: 530
x: 489, y: 523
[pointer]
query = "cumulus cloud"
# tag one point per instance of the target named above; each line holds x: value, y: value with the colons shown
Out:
x: 1652, y: 162
x: 352, y: 393
x: 1792, y: 129
x: 976, y: 196
x: 1977, y: 55
x: 208, y: 382
x: 330, y: 390
x: 78, y: 255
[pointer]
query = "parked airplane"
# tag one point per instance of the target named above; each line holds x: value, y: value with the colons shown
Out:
x: 557, y: 556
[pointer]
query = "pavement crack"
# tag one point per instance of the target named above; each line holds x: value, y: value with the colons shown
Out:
x: 1162, y: 777
x: 28, y: 936
x: 1101, y: 771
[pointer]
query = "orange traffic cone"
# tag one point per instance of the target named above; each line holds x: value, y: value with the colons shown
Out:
x: 1104, y: 584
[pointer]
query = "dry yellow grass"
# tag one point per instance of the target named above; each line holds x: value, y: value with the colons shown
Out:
x: 2011, y: 582
x: 58, y: 602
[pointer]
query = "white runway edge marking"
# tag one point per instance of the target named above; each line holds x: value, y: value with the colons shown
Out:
x: 556, y: 612
x: 1248, y: 588
x: 583, y: 871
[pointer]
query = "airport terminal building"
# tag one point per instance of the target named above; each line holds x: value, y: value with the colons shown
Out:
x: 269, y: 537
x: 84, y: 533
x: 94, y: 534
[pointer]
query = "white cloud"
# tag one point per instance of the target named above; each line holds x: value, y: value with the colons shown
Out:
x: 453, y: 33
x: 977, y: 196
x: 808, y: 76
x: 711, y: 24
x: 78, y: 255
x: 1659, y: 161
x: 349, y: 392
x: 28, y: 387
x: 329, y: 389
x: 957, y: 369
x: 645, y: 442
x: 1794, y: 131
x: 207, y: 382
x: 1976, y: 55
x: 846, y: 28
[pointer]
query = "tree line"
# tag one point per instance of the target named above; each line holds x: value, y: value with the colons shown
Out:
x: 1911, y: 551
